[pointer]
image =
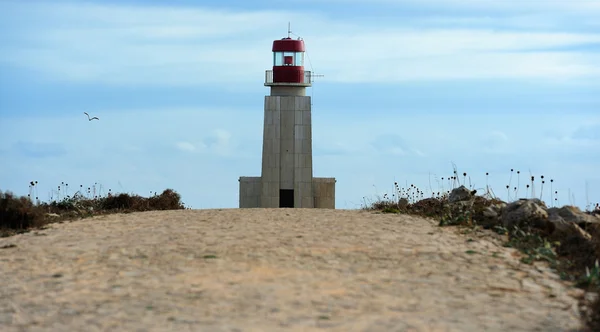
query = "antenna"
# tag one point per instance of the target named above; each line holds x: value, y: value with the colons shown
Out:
x: 312, y: 74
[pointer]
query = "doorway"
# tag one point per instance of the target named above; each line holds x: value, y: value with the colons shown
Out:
x: 286, y: 198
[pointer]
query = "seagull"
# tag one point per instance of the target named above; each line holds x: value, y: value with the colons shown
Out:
x: 90, y: 119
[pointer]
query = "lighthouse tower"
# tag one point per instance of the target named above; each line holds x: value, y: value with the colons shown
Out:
x: 287, y: 168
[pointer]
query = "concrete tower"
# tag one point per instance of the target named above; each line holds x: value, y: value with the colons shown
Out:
x: 287, y: 169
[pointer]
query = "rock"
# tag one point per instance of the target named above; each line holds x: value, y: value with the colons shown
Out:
x: 489, y: 218
x: 490, y: 212
x: 511, y: 207
x: 460, y: 194
x: 499, y: 207
x: 575, y: 215
x: 565, y: 229
x: 590, y: 297
x: 462, y: 206
x: 495, y: 209
x: 517, y: 204
x: 526, y: 212
x: 486, y: 212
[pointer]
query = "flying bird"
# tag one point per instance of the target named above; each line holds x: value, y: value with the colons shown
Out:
x: 90, y: 119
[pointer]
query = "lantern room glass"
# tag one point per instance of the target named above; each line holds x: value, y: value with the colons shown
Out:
x: 288, y: 58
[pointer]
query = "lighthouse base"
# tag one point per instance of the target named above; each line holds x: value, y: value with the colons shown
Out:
x: 287, y: 165
x: 251, y: 189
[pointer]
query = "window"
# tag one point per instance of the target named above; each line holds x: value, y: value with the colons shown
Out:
x: 288, y: 58
x: 299, y: 59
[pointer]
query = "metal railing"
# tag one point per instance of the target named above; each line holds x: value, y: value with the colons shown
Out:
x: 307, y: 79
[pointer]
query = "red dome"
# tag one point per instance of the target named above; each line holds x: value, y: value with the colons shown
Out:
x: 288, y: 45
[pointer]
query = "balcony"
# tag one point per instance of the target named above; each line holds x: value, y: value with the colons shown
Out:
x: 305, y: 80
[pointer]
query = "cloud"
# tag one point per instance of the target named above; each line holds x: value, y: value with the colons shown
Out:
x: 181, y: 46
x: 393, y: 144
x: 588, y: 132
x: 154, y: 45
x: 220, y: 142
x: 575, y: 140
x: 185, y: 146
x: 495, y: 142
x: 330, y: 150
x: 420, y: 55
x: 505, y: 14
x: 419, y: 152
x: 490, y: 6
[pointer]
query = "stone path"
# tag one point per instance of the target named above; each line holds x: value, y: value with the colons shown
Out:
x: 272, y: 270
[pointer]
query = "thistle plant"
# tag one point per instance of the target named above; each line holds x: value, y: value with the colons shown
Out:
x: 552, y: 197
x: 542, y: 187
x: 442, y: 185
x: 32, y: 189
x: 518, y: 183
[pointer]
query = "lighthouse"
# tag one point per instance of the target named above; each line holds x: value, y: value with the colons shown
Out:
x: 286, y: 179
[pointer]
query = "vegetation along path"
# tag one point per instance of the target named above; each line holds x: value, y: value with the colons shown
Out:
x: 273, y: 270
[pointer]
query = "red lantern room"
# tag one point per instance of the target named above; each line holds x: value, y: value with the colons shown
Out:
x: 288, y: 63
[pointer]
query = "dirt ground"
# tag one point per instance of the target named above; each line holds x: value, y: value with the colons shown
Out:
x: 273, y: 270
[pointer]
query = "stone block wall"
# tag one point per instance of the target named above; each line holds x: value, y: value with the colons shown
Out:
x: 250, y: 192
x: 324, y: 193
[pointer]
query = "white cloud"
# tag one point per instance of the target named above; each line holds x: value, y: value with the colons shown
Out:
x: 153, y: 45
x: 408, y: 55
x: 394, y: 145
x: 419, y: 152
x: 495, y: 142
x: 185, y: 146
x: 220, y: 141
x: 490, y: 5
x: 589, y: 132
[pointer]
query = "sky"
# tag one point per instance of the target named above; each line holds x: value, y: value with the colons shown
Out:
x: 409, y: 89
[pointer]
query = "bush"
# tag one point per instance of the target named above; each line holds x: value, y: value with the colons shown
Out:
x: 168, y: 200
x: 121, y: 202
x: 19, y: 212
